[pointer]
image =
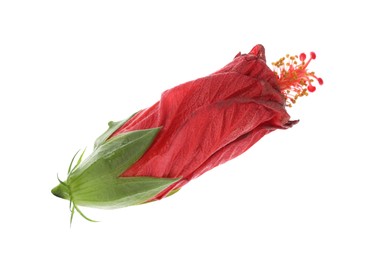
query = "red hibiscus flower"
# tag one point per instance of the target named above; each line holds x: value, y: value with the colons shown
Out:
x: 192, y: 129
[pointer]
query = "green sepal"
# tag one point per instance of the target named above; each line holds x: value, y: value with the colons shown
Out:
x: 113, y: 126
x: 115, y: 156
x: 120, y: 192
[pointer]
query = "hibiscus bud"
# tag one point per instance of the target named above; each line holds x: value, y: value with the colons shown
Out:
x: 192, y: 129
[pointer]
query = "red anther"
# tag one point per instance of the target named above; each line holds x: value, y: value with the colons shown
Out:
x: 313, y: 55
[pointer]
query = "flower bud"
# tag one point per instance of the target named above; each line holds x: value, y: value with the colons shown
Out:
x: 193, y: 128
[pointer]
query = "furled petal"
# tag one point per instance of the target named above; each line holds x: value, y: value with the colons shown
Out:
x: 210, y: 120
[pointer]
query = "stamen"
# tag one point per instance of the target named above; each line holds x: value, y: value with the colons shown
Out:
x: 294, y: 78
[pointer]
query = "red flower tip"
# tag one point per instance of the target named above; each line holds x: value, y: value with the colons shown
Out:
x: 293, y: 76
x: 259, y: 51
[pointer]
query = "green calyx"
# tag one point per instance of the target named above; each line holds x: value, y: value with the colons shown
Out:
x: 96, y: 182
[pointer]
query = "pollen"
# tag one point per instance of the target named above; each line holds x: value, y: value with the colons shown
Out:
x: 294, y: 78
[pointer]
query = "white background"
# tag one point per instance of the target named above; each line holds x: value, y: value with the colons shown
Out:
x: 68, y: 67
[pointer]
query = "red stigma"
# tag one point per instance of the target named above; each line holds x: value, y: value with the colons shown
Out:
x: 293, y: 76
x: 311, y: 88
